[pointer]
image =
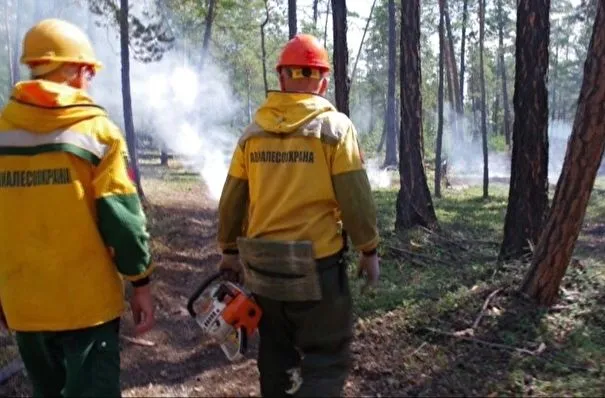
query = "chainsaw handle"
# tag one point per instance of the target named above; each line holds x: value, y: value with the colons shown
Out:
x: 198, y: 292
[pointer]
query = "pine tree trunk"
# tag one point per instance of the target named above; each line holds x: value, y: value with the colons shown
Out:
x: 292, y: 18
x: 483, y: 101
x: 16, y: 49
x: 383, y: 136
x: 263, y: 47
x: 414, y: 202
x: 451, y: 77
x: 505, y: 103
x: 454, y: 69
x: 329, y: 2
x: 555, y: 67
x: 372, y: 112
x: 341, y: 55
x: 163, y: 155
x: 528, y: 192
x: 439, y: 110
x: 462, y: 50
x: 208, y: 29
x: 495, y: 116
x: 391, y: 144
x: 126, y: 99
x: 584, y: 154
x: 315, y: 13
x: 9, y: 47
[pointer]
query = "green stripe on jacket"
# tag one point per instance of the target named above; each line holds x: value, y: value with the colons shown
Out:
x: 48, y: 148
x: 122, y: 225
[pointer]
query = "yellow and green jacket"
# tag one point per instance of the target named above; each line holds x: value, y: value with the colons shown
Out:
x: 72, y: 223
x: 297, y: 174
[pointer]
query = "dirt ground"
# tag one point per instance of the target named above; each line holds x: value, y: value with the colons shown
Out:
x: 180, y: 363
x: 394, y: 354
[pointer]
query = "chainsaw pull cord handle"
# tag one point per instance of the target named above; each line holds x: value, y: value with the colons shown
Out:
x: 198, y: 292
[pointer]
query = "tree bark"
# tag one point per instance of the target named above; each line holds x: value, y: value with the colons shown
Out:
x: 263, y: 48
x: 372, y: 112
x: 208, y: 29
x: 439, y: 110
x: 528, y: 192
x: 383, y: 136
x: 462, y: 50
x: 582, y: 159
x: 315, y: 13
x: 391, y: 142
x: 292, y: 18
x: 451, y: 77
x: 483, y: 106
x: 326, y: 24
x: 454, y: 69
x: 495, y: 116
x: 505, y: 103
x: 126, y: 99
x: 163, y: 155
x: 16, y: 48
x: 414, y: 203
x: 249, y: 94
x: 9, y: 47
x: 555, y: 67
x: 341, y: 55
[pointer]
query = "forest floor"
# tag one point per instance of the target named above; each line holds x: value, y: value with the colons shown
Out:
x: 446, y: 319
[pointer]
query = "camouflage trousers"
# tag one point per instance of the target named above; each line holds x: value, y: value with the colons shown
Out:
x: 305, y: 345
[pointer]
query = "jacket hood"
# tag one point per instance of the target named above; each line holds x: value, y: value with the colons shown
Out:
x: 285, y: 112
x: 43, y: 106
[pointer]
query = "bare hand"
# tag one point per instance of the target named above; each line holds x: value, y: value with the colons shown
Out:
x: 231, y: 266
x: 369, y: 266
x: 141, y: 304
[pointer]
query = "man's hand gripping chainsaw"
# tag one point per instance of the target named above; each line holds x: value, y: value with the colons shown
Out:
x: 226, y: 313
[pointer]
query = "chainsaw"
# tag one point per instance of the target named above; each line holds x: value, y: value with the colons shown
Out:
x: 226, y: 313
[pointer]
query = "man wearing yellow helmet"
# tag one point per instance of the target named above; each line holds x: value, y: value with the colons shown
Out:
x: 296, y: 175
x: 73, y: 225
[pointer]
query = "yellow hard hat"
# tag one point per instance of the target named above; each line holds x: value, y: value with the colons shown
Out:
x: 57, y: 41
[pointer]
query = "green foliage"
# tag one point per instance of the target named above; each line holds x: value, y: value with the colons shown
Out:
x: 446, y: 289
x: 150, y: 35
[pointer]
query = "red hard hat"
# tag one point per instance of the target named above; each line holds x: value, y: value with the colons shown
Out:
x: 304, y: 50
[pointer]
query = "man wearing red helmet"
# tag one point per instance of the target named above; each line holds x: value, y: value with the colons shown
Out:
x: 295, y: 180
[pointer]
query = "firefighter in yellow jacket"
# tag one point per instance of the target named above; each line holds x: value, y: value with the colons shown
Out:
x: 72, y: 223
x: 296, y: 178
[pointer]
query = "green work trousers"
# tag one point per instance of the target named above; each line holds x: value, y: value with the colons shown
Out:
x: 75, y: 363
x: 309, y: 337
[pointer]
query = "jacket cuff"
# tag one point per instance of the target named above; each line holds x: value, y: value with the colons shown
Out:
x: 141, y: 282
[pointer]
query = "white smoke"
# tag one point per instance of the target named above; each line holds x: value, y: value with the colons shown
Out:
x: 465, y: 159
x: 558, y: 136
x: 189, y: 112
x: 188, y: 109
x: 379, y: 178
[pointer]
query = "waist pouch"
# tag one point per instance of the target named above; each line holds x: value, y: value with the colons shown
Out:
x: 280, y: 270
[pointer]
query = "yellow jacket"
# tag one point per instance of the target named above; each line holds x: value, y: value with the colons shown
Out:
x: 65, y: 199
x: 296, y: 174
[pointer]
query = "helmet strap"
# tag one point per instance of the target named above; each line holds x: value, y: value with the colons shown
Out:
x: 302, y: 73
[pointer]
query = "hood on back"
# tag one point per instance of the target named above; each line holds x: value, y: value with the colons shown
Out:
x: 285, y: 112
x: 43, y: 106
